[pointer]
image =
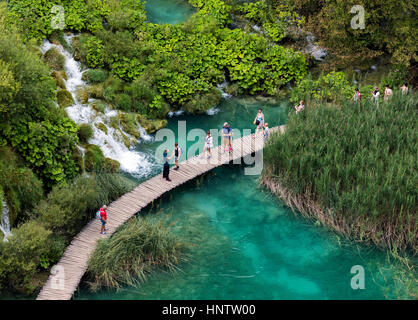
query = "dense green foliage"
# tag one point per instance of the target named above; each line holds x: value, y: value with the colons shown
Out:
x: 19, y: 186
x: 357, y: 160
x: 30, y: 123
x: 152, y: 65
x: 391, y: 27
x: 37, y: 244
x: 139, y: 247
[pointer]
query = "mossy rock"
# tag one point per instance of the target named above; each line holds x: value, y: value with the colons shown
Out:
x: 82, y: 95
x: 98, y: 106
x: 101, y: 126
x: 125, y: 139
x: 54, y: 59
x: 114, y: 122
x: 95, y: 91
x: 128, y: 123
x: 65, y: 99
x: 110, y: 165
x: 60, y: 77
x: 94, y: 158
x: 150, y: 126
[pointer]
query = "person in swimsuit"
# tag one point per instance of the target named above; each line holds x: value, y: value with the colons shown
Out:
x: 357, y: 96
x: 300, y: 107
x: 388, y: 92
x: 405, y: 89
x: 259, y: 120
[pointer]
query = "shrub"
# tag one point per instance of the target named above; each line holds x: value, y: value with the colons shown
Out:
x: 138, y: 248
x: 20, y: 257
x: 123, y: 102
x: 95, y: 75
x: 85, y: 132
x: 93, y: 158
x: 70, y: 206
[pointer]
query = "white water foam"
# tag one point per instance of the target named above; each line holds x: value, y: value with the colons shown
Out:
x: 5, y: 222
x: 111, y: 143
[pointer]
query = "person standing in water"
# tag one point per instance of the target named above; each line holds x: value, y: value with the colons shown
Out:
x: 103, y: 219
x: 259, y: 120
x: 300, y: 107
x: 375, y: 95
x: 176, y: 154
x: 357, y: 96
x: 405, y: 89
x: 388, y: 92
x: 208, y: 145
x: 166, y: 167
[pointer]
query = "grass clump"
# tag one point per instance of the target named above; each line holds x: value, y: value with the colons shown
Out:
x: 352, y: 167
x: 65, y: 99
x: 139, y: 247
x: 85, y: 132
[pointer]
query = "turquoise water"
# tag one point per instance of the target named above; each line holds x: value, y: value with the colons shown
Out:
x: 168, y: 11
x: 246, y: 244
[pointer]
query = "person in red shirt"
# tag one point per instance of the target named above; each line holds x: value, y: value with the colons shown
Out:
x: 103, y: 219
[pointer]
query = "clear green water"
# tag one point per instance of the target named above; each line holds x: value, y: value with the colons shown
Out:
x: 246, y: 244
x: 168, y: 11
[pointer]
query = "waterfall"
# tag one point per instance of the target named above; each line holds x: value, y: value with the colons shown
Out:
x: 109, y: 139
x: 315, y: 51
x: 221, y: 87
x: 5, y: 222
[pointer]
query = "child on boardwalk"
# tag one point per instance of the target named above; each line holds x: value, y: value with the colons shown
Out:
x: 103, y: 219
x: 266, y: 132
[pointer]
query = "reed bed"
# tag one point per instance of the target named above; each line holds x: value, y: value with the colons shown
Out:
x: 141, y: 246
x: 353, y: 168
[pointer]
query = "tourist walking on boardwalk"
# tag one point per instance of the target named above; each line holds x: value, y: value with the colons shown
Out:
x: 177, y: 152
x: 405, y: 89
x: 166, y: 166
x: 376, y: 95
x: 208, y: 145
x: 357, y: 96
x: 388, y: 92
x: 300, y: 107
x: 259, y: 120
x: 103, y: 219
x: 226, y: 137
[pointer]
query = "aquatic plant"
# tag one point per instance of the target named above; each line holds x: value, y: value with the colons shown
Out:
x: 142, y: 245
x: 352, y: 167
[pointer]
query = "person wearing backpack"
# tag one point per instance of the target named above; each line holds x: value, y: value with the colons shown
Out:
x: 103, y: 219
x: 177, y: 152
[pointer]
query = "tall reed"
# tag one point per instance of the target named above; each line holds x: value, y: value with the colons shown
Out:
x: 354, y: 167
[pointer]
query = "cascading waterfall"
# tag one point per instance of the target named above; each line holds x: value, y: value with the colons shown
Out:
x: 110, y: 142
x: 5, y: 222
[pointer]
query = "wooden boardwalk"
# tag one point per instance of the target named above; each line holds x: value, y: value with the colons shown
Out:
x: 66, y: 275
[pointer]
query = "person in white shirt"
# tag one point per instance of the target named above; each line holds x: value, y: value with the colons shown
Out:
x: 208, y: 144
x: 405, y: 89
x: 266, y: 131
x: 376, y: 95
x: 300, y: 107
